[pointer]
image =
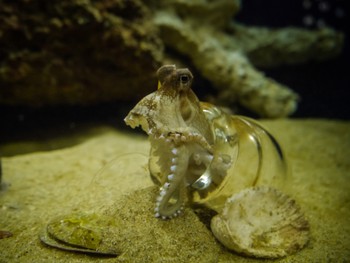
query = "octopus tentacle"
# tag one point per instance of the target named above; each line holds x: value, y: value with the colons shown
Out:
x: 172, y: 194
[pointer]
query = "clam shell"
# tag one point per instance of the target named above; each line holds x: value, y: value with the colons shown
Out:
x: 261, y: 222
x: 80, y: 232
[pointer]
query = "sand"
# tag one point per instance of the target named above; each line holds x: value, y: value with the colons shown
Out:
x: 40, y: 186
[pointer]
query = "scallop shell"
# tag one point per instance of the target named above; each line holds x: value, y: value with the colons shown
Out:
x: 261, y: 222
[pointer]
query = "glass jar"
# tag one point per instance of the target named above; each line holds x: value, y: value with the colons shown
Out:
x: 250, y: 154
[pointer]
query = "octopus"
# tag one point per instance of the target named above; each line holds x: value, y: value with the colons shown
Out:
x: 180, y: 136
x: 194, y: 145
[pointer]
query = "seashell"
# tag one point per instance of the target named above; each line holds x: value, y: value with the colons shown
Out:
x: 79, y: 233
x: 261, y: 222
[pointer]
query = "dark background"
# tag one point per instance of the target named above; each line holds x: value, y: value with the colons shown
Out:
x: 324, y: 87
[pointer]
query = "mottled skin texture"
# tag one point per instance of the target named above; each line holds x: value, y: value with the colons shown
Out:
x: 180, y: 135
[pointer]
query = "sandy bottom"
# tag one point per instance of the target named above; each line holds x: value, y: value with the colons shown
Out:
x: 96, y: 174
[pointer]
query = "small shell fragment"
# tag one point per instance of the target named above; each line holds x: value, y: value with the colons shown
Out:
x: 5, y: 234
x: 261, y: 222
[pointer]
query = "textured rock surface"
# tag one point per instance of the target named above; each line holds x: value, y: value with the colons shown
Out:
x: 43, y: 185
x: 76, y: 52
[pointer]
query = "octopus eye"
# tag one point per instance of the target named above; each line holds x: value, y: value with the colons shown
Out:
x: 184, y: 78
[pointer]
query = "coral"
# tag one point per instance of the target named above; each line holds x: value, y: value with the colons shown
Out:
x: 76, y: 52
x: 226, y: 53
